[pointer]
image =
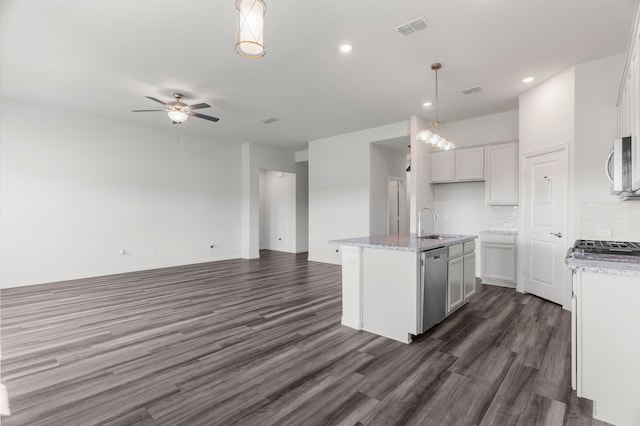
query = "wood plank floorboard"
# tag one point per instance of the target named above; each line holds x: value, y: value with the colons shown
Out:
x: 259, y: 342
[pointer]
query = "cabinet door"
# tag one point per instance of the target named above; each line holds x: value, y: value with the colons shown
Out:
x: 469, y: 164
x: 469, y: 275
x: 455, y: 284
x: 502, y: 174
x: 443, y: 166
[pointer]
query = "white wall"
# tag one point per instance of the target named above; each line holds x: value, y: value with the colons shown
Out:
x: 302, y: 205
x: 256, y: 158
x: 339, y: 187
x: 485, y: 130
x: 577, y: 108
x: 599, y: 214
x: 277, y: 211
x: 420, y: 190
x: 547, y: 119
x: 76, y: 189
x: 547, y: 114
x: 385, y: 162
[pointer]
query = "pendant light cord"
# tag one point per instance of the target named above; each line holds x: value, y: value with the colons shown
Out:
x: 436, y: 67
x: 437, y: 101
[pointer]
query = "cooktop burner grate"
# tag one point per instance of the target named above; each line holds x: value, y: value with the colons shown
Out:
x: 629, y: 248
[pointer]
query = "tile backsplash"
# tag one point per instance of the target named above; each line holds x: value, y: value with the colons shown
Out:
x: 615, y: 220
x: 504, y: 217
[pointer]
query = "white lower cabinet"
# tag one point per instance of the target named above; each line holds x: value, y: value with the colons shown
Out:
x: 461, y: 279
x: 605, y: 346
x: 469, y: 274
x: 455, y: 283
x: 499, y: 257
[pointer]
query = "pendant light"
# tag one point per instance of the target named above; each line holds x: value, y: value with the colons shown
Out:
x: 433, y: 133
x: 250, y: 28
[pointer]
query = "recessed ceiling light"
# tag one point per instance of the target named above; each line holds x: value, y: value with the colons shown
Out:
x: 427, y: 104
x: 345, y: 48
x: 528, y: 79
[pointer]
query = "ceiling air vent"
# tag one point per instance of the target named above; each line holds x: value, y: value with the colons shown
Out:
x: 413, y: 26
x: 268, y: 120
x: 471, y: 90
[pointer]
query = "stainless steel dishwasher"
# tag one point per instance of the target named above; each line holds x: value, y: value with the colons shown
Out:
x: 434, y: 287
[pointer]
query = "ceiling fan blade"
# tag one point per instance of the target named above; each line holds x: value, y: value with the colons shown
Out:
x: 206, y: 117
x: 145, y: 110
x: 199, y: 106
x: 155, y: 100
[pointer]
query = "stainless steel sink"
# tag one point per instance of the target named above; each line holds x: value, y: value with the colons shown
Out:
x: 438, y: 237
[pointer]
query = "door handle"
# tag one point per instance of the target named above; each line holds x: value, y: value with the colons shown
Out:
x: 556, y: 234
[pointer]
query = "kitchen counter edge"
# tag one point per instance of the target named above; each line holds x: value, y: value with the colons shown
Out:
x: 404, y: 242
x: 611, y: 267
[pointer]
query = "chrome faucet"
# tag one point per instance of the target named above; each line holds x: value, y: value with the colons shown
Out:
x: 433, y: 213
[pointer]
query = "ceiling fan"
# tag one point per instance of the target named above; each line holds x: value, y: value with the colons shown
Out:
x: 178, y: 111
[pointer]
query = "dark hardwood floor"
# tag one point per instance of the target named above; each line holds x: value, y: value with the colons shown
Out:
x: 259, y: 342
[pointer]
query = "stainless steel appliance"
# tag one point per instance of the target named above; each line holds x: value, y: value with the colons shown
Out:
x: 619, y: 168
x: 434, y: 287
x: 597, y: 249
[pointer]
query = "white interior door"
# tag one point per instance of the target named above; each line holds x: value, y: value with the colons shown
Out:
x: 545, y: 224
x: 393, y: 210
x: 398, y: 217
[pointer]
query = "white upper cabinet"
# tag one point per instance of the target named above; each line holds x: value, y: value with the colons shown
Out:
x: 470, y: 164
x: 502, y: 174
x: 443, y: 166
x: 460, y: 165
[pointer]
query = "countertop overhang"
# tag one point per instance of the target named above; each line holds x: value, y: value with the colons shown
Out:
x: 404, y: 242
x: 606, y: 264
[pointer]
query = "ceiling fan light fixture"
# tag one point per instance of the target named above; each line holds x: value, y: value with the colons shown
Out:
x: 250, y: 28
x: 178, y: 116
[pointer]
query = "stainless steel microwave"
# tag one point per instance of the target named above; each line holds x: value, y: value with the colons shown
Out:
x: 619, y: 168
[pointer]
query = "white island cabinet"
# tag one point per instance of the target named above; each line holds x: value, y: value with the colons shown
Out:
x: 605, y: 338
x: 461, y: 281
x: 382, y: 282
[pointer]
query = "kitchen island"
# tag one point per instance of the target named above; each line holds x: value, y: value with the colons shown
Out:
x: 604, y: 346
x: 392, y: 285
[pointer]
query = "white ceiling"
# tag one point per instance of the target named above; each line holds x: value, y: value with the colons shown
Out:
x: 104, y: 56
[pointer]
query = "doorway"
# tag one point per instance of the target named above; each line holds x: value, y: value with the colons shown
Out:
x: 277, y: 211
x: 545, y: 223
x: 396, y: 206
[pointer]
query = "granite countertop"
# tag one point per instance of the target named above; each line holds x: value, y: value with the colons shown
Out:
x: 499, y: 232
x: 606, y: 264
x: 404, y: 242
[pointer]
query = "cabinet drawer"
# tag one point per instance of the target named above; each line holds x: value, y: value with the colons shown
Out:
x: 499, y: 239
x: 469, y: 247
x: 455, y: 251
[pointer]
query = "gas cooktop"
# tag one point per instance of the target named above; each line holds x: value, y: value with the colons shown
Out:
x: 624, y: 248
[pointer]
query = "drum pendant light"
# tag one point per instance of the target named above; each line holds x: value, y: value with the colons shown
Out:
x: 250, y: 28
